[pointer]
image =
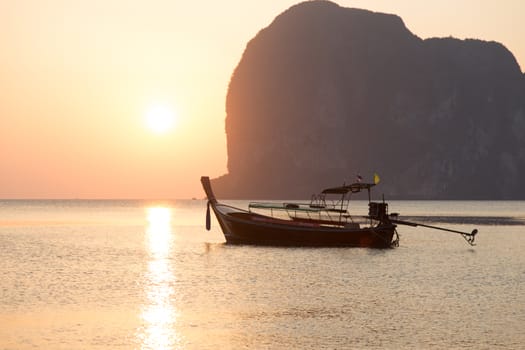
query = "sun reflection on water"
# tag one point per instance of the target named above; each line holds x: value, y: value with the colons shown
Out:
x: 158, y: 313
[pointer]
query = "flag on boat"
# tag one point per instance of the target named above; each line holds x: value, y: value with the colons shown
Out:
x: 376, y: 178
x: 359, y: 178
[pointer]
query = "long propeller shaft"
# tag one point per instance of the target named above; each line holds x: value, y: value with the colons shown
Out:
x: 468, y: 236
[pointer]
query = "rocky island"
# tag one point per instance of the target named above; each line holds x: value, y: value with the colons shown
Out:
x: 325, y: 92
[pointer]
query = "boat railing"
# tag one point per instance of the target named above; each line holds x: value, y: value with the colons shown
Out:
x: 330, y: 213
x: 283, y: 206
x: 319, y: 201
x: 297, y: 207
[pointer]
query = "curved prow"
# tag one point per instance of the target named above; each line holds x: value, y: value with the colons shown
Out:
x: 206, y: 185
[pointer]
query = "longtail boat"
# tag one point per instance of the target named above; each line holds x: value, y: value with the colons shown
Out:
x: 324, y: 222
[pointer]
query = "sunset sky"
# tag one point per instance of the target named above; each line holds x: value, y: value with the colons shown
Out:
x: 126, y: 98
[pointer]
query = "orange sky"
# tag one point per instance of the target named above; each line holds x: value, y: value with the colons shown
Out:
x: 77, y: 79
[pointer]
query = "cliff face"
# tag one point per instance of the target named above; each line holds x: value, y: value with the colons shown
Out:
x: 326, y: 92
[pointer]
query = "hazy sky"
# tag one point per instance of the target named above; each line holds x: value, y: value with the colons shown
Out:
x: 78, y: 78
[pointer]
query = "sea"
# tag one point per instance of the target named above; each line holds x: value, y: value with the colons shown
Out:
x: 134, y: 274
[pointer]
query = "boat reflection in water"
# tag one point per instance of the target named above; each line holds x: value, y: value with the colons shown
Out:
x: 158, y: 314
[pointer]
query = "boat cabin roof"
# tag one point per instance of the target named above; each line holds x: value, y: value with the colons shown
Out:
x: 354, y: 188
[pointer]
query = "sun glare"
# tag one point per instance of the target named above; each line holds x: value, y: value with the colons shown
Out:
x: 160, y: 118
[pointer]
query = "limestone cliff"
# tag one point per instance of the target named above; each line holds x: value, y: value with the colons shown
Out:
x: 326, y: 92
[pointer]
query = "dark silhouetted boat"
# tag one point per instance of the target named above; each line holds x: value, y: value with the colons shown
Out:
x: 324, y: 222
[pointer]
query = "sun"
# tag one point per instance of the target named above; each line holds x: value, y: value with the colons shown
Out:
x: 160, y: 118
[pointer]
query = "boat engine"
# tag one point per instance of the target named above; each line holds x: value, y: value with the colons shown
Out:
x: 378, y: 211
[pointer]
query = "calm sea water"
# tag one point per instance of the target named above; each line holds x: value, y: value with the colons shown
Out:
x: 140, y: 275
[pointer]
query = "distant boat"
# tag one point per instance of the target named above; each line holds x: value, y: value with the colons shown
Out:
x: 323, y: 222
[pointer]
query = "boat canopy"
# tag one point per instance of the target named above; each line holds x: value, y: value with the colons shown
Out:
x: 354, y: 188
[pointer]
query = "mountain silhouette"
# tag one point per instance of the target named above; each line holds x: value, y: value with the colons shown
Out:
x: 325, y: 92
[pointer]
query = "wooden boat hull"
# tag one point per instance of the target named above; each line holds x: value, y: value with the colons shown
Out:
x: 247, y: 228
